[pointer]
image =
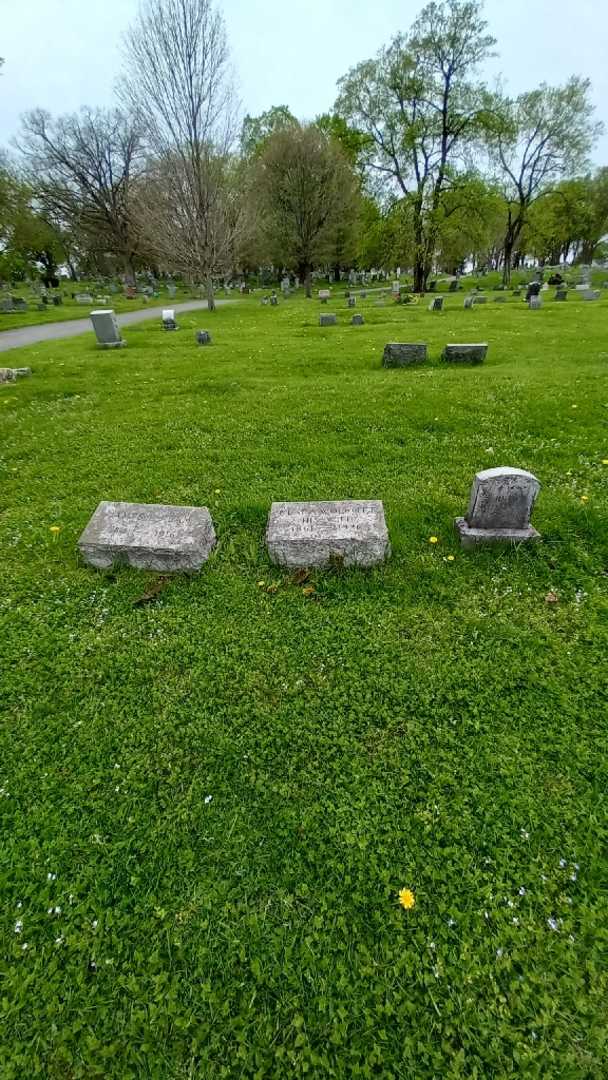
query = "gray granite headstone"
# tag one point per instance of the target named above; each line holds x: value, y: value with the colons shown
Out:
x: 399, y: 354
x: 454, y: 285
x: 327, y: 320
x: 148, y: 536
x: 534, y: 303
x: 480, y: 299
x: 6, y: 306
x: 500, y: 508
x: 83, y: 298
x: 203, y: 337
x: 591, y: 294
x: 7, y: 374
x: 561, y: 294
x: 466, y: 353
x: 302, y: 534
x: 107, y: 330
x: 324, y: 295
x: 357, y: 320
x: 352, y: 302
x: 468, y: 302
x: 436, y: 303
x: 168, y: 319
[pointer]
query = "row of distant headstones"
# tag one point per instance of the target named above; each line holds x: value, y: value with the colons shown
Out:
x: 302, y: 534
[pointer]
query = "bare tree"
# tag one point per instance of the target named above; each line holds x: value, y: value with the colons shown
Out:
x: 305, y: 191
x: 82, y: 168
x: 178, y: 81
x: 547, y: 134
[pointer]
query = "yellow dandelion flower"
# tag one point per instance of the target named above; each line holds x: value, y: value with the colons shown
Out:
x: 605, y: 461
x: 261, y: 584
x: 55, y: 529
x: 433, y: 539
x: 218, y: 491
x: 584, y: 498
x: 450, y: 558
x: 407, y: 899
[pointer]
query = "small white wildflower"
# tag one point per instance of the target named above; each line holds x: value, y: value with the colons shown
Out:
x: 515, y: 920
x: 570, y: 937
x: 572, y: 877
x: 562, y: 863
x: 533, y: 1036
x: 451, y: 921
x: 208, y: 799
x: 94, y: 924
x: 510, y: 904
x: 499, y: 953
x: 19, y: 906
x: 436, y: 971
x: 57, y: 911
x: 49, y: 911
x: 543, y: 877
x: 552, y: 924
x: 576, y: 866
x: 59, y: 940
x: 117, y: 766
x: 71, y: 898
x: 525, y: 835
x: 117, y: 788
x: 51, y: 877
x: 486, y: 914
x: 568, y: 899
x: 522, y: 891
x: 18, y: 926
x: 24, y: 946
x: 432, y: 945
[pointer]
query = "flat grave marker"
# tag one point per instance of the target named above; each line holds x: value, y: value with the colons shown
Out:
x: 306, y: 534
x: 148, y: 536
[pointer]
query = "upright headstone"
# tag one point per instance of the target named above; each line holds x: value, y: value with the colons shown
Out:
x: 274, y: 300
x: 468, y: 301
x: 203, y: 337
x: 148, y: 536
x: 107, y: 330
x: 305, y: 534
x: 171, y: 289
x: 357, y: 320
x: 534, y: 303
x: 7, y: 374
x: 401, y: 354
x: 168, y: 319
x: 466, y: 354
x: 561, y: 294
x: 327, y: 320
x: 436, y: 304
x: 454, y: 285
x: 500, y: 508
x: 352, y: 302
x: 432, y: 286
x: 324, y: 295
x: 6, y: 306
x: 285, y: 286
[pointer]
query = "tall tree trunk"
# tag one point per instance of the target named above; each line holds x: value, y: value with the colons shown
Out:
x: 210, y: 294
x: 337, y: 272
x: 305, y: 272
x: 129, y: 270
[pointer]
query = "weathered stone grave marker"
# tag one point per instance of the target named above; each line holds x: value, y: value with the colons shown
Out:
x: 534, y: 303
x: 436, y: 304
x: 168, y: 319
x: 591, y: 294
x: 402, y: 354
x: 304, y: 534
x: 466, y: 353
x: 324, y: 295
x: 357, y: 320
x: 327, y: 320
x: 148, y: 536
x: 500, y: 507
x: 203, y: 337
x: 561, y: 294
x: 107, y: 330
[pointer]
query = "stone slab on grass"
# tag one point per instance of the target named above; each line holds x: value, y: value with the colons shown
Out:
x: 470, y: 353
x: 327, y: 320
x: 402, y: 354
x: 305, y: 534
x: 148, y: 536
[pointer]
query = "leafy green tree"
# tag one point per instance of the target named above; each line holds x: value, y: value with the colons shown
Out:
x: 546, y: 135
x: 420, y: 107
x: 257, y: 129
x: 305, y: 190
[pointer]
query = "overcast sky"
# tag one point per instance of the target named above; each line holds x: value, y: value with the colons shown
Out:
x: 66, y: 54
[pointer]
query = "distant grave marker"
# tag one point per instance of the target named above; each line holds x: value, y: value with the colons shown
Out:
x: 107, y: 330
x: 403, y: 354
x: 466, y: 354
x: 327, y: 320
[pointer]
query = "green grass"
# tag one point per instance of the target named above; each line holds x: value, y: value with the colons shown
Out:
x: 431, y: 724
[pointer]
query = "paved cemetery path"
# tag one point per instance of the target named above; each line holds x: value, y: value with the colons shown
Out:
x: 31, y: 335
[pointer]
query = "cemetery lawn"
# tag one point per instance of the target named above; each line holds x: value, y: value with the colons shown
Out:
x: 212, y: 789
x: 70, y: 309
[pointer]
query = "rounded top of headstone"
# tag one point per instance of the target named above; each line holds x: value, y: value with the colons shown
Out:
x: 506, y: 471
x: 103, y: 311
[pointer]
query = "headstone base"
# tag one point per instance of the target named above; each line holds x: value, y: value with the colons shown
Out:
x: 112, y: 344
x: 472, y: 538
